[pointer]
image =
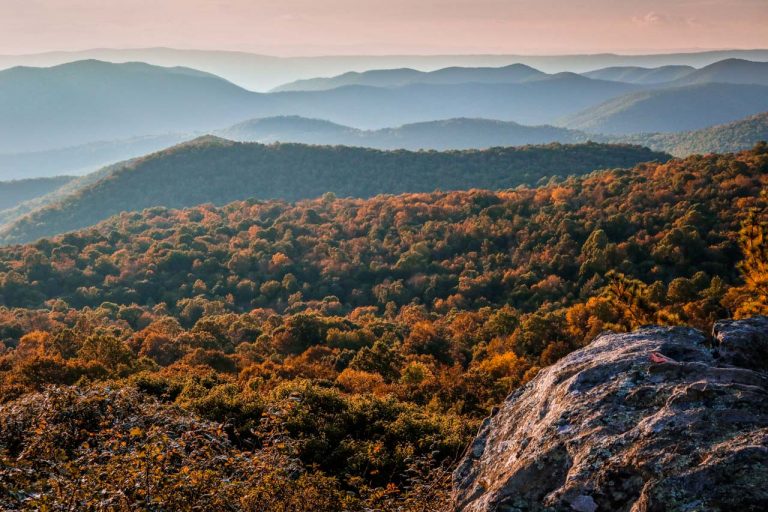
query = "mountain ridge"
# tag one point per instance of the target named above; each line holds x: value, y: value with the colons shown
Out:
x: 672, y: 109
x: 218, y: 171
x: 263, y: 72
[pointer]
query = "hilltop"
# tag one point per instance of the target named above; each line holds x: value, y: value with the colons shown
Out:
x: 733, y: 71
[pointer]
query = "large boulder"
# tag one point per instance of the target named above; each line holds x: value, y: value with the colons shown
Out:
x: 653, y: 420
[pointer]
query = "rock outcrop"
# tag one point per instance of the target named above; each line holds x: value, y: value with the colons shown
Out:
x: 660, y: 419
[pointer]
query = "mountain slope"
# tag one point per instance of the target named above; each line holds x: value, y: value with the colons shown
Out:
x: 210, y: 170
x: 291, y: 129
x: 736, y: 136
x: 12, y: 193
x: 55, y: 195
x: 672, y: 109
x: 514, y: 73
x: 732, y: 71
x: 468, y: 133
x: 85, y: 101
x: 638, y: 75
x: 458, y: 133
x: 83, y: 159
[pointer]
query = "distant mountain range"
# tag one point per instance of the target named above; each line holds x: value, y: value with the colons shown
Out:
x: 737, y: 71
x: 263, y: 72
x: 512, y: 74
x: 213, y: 170
x: 671, y: 109
x: 77, y: 117
x: 90, y: 101
x: 639, y: 75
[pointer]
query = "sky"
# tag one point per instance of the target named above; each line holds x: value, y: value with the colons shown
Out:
x: 334, y: 27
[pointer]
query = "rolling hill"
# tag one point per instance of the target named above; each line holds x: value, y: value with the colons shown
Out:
x: 730, y: 71
x: 12, y: 193
x: 512, y: 74
x: 462, y: 133
x: 672, y: 109
x: 213, y: 170
x: 369, y: 107
x: 88, y: 101
x: 292, y: 129
x: 459, y: 133
x: 44, y: 196
x: 730, y: 137
x: 82, y: 159
x: 639, y: 75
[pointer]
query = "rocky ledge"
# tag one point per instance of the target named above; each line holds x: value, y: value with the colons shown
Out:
x: 660, y: 419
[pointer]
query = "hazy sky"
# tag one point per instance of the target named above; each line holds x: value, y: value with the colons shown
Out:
x: 312, y: 27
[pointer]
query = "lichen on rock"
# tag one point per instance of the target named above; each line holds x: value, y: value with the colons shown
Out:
x: 653, y: 420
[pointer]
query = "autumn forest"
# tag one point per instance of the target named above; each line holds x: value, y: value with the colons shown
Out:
x: 348, y: 348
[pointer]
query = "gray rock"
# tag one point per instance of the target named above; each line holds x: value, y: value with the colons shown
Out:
x: 583, y: 503
x: 743, y: 342
x: 611, y: 428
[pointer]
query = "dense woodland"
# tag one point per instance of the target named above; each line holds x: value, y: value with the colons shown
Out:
x: 218, y: 171
x: 338, y: 354
x: 724, y: 138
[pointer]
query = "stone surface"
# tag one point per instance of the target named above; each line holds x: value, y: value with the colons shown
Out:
x: 743, y: 342
x: 654, y: 420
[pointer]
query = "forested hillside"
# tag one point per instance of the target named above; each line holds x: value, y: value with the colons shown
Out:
x: 348, y: 347
x: 401, y: 248
x: 736, y: 136
x: 211, y: 170
x: 14, y: 192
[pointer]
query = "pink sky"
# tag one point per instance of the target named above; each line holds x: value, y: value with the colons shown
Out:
x: 313, y: 27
